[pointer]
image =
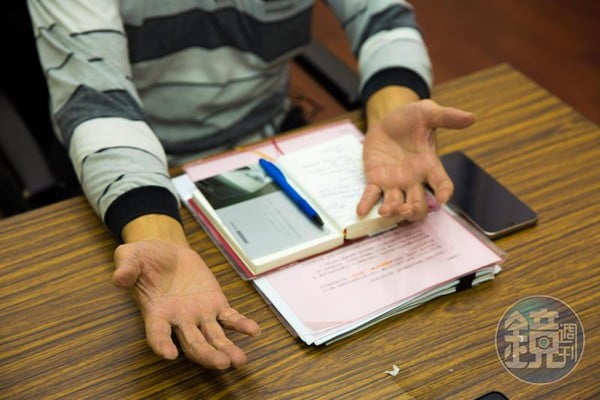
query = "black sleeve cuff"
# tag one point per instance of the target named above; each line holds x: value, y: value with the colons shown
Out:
x: 397, y: 76
x: 137, y: 202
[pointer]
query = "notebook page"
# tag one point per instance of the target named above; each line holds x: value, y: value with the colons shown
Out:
x: 287, y: 144
x: 332, y: 175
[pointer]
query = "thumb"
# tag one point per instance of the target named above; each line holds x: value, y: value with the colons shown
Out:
x: 127, y: 267
x: 448, y: 117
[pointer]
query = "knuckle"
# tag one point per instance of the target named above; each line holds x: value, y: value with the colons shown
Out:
x: 428, y: 104
x: 376, y: 178
x: 229, y: 314
x: 219, y: 363
x: 125, y: 251
x: 120, y: 250
x: 194, y: 345
x: 421, y: 208
x: 220, y: 342
x: 206, y: 319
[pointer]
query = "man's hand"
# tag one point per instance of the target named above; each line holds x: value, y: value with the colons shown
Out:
x: 400, y: 153
x: 175, y: 290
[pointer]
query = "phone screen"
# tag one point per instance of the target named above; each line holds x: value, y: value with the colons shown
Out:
x: 482, y: 200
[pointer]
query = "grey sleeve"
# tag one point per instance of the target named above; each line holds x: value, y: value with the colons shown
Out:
x: 389, y: 45
x: 96, y: 111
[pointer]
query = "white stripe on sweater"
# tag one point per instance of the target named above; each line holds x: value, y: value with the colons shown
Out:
x: 400, y: 47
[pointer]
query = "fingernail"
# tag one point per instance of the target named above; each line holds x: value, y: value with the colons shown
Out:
x: 407, y: 214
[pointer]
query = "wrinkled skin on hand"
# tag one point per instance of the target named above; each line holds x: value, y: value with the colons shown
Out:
x: 175, y: 290
x: 400, y: 157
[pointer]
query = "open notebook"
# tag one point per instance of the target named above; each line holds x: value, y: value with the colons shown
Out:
x: 266, y: 229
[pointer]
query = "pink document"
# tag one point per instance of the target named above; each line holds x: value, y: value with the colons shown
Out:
x: 348, y: 283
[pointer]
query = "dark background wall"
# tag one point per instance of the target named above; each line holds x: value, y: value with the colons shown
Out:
x: 555, y: 43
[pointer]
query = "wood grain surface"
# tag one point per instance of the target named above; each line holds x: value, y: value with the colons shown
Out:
x: 66, y: 332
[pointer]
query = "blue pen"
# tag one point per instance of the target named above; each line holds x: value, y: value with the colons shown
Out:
x: 275, y: 173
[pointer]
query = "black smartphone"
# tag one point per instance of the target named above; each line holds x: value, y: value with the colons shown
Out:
x: 484, y: 202
x: 492, y: 396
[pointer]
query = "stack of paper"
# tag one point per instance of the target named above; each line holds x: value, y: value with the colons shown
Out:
x: 336, y: 294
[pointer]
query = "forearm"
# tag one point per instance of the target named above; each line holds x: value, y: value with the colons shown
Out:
x: 154, y: 227
x: 393, y: 61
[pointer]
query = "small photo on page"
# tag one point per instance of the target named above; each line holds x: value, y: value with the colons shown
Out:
x: 236, y: 186
x: 257, y: 212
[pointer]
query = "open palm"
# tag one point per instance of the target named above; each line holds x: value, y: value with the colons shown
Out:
x: 400, y: 156
x: 176, y: 290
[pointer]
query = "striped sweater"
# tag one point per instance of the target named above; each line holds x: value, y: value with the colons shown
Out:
x: 134, y: 81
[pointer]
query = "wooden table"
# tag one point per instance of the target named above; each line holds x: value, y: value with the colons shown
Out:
x: 66, y: 332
